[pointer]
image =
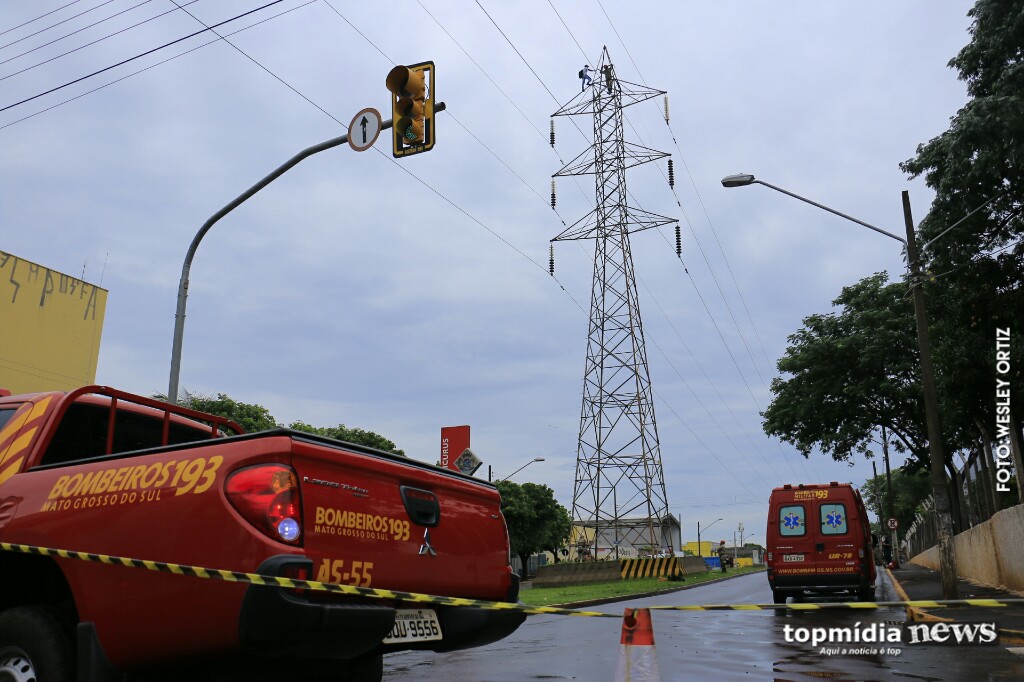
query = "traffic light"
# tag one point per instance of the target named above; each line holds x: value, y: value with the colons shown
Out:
x: 412, y: 108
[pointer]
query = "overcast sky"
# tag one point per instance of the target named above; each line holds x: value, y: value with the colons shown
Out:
x: 349, y: 292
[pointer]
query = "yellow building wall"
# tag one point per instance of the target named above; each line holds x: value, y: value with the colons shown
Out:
x: 705, y: 548
x: 50, y: 327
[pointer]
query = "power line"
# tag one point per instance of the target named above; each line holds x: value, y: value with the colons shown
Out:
x: 147, y: 52
x: 151, y: 66
x: 41, y: 16
x: 68, y: 35
x: 257, y: 63
x: 539, y: 80
x: 44, y: 30
x: 484, y: 72
x: 82, y: 47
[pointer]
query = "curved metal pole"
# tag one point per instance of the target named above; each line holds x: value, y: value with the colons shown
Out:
x: 179, y: 315
x: 832, y: 210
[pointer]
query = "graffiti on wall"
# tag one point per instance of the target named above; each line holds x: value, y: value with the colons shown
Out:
x: 50, y: 327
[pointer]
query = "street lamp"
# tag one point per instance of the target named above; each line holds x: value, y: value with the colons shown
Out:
x: 947, y: 555
x: 698, y: 534
x: 186, y: 267
x: 535, y: 459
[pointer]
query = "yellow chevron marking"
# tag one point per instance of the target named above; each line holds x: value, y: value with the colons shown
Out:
x: 11, y: 470
x: 25, y: 415
x: 14, y: 425
x: 39, y: 409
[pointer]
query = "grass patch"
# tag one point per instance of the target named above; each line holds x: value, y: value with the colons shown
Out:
x: 565, y: 594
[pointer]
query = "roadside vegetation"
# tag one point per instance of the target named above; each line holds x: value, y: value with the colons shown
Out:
x: 851, y: 379
x: 567, y: 594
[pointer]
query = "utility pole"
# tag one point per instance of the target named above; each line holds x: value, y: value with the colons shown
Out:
x: 892, y: 504
x: 940, y: 491
x: 618, y: 449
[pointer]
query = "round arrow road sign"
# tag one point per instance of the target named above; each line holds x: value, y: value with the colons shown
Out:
x: 364, y: 129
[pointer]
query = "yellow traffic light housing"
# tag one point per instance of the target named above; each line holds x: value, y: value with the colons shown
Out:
x: 412, y: 108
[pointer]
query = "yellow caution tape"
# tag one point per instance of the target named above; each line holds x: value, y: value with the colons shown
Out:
x: 397, y: 595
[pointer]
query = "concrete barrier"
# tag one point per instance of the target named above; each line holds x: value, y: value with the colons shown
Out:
x: 693, y: 565
x: 662, y: 567
x: 990, y: 553
x: 577, y: 573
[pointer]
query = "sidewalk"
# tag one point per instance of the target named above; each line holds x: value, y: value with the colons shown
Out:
x: 914, y: 583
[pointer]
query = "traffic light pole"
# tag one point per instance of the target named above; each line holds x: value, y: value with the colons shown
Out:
x: 179, y: 315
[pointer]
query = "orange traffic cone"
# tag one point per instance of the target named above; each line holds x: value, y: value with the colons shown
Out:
x: 637, y: 659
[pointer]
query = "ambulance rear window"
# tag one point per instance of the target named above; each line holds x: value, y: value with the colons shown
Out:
x: 791, y: 520
x: 833, y: 518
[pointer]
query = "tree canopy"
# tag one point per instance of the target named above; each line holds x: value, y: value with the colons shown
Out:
x: 847, y: 373
x: 909, y: 487
x: 851, y: 373
x: 349, y: 435
x: 253, y: 418
x: 536, y: 521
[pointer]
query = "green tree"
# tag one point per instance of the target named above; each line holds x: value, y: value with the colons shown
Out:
x: 910, y: 486
x: 536, y: 521
x: 253, y: 418
x: 250, y: 417
x: 350, y: 435
x: 850, y: 373
x: 977, y: 266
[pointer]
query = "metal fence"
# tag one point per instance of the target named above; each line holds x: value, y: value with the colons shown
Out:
x: 973, y: 500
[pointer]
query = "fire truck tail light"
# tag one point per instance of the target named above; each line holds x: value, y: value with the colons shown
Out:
x: 267, y: 496
x: 770, y: 556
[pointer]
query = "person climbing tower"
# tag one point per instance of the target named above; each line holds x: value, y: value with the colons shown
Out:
x: 585, y: 77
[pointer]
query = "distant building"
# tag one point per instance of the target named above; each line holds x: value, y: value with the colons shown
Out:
x: 52, y: 325
x: 705, y: 548
x: 629, y: 538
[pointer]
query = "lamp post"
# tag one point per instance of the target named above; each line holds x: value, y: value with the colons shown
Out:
x: 535, y: 459
x: 940, y: 493
x: 698, y: 534
x: 186, y: 267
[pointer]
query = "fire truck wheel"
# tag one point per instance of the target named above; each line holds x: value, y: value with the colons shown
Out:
x: 364, y: 669
x: 33, y: 644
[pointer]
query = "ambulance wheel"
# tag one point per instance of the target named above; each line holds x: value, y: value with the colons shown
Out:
x: 34, y: 645
x: 866, y: 593
x: 779, y: 597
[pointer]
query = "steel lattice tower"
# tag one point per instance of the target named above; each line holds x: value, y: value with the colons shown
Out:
x: 619, y: 493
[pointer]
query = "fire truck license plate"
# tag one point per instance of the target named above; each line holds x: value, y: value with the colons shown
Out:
x: 792, y: 557
x: 414, y: 625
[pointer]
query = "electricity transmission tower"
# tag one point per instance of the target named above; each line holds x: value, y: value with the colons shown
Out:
x: 619, y: 494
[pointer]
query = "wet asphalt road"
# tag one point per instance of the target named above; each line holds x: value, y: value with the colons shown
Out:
x: 712, y: 645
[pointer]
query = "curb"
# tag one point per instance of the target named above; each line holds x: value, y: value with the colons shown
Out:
x: 644, y: 595
x: 915, y: 614
x: 919, y: 615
